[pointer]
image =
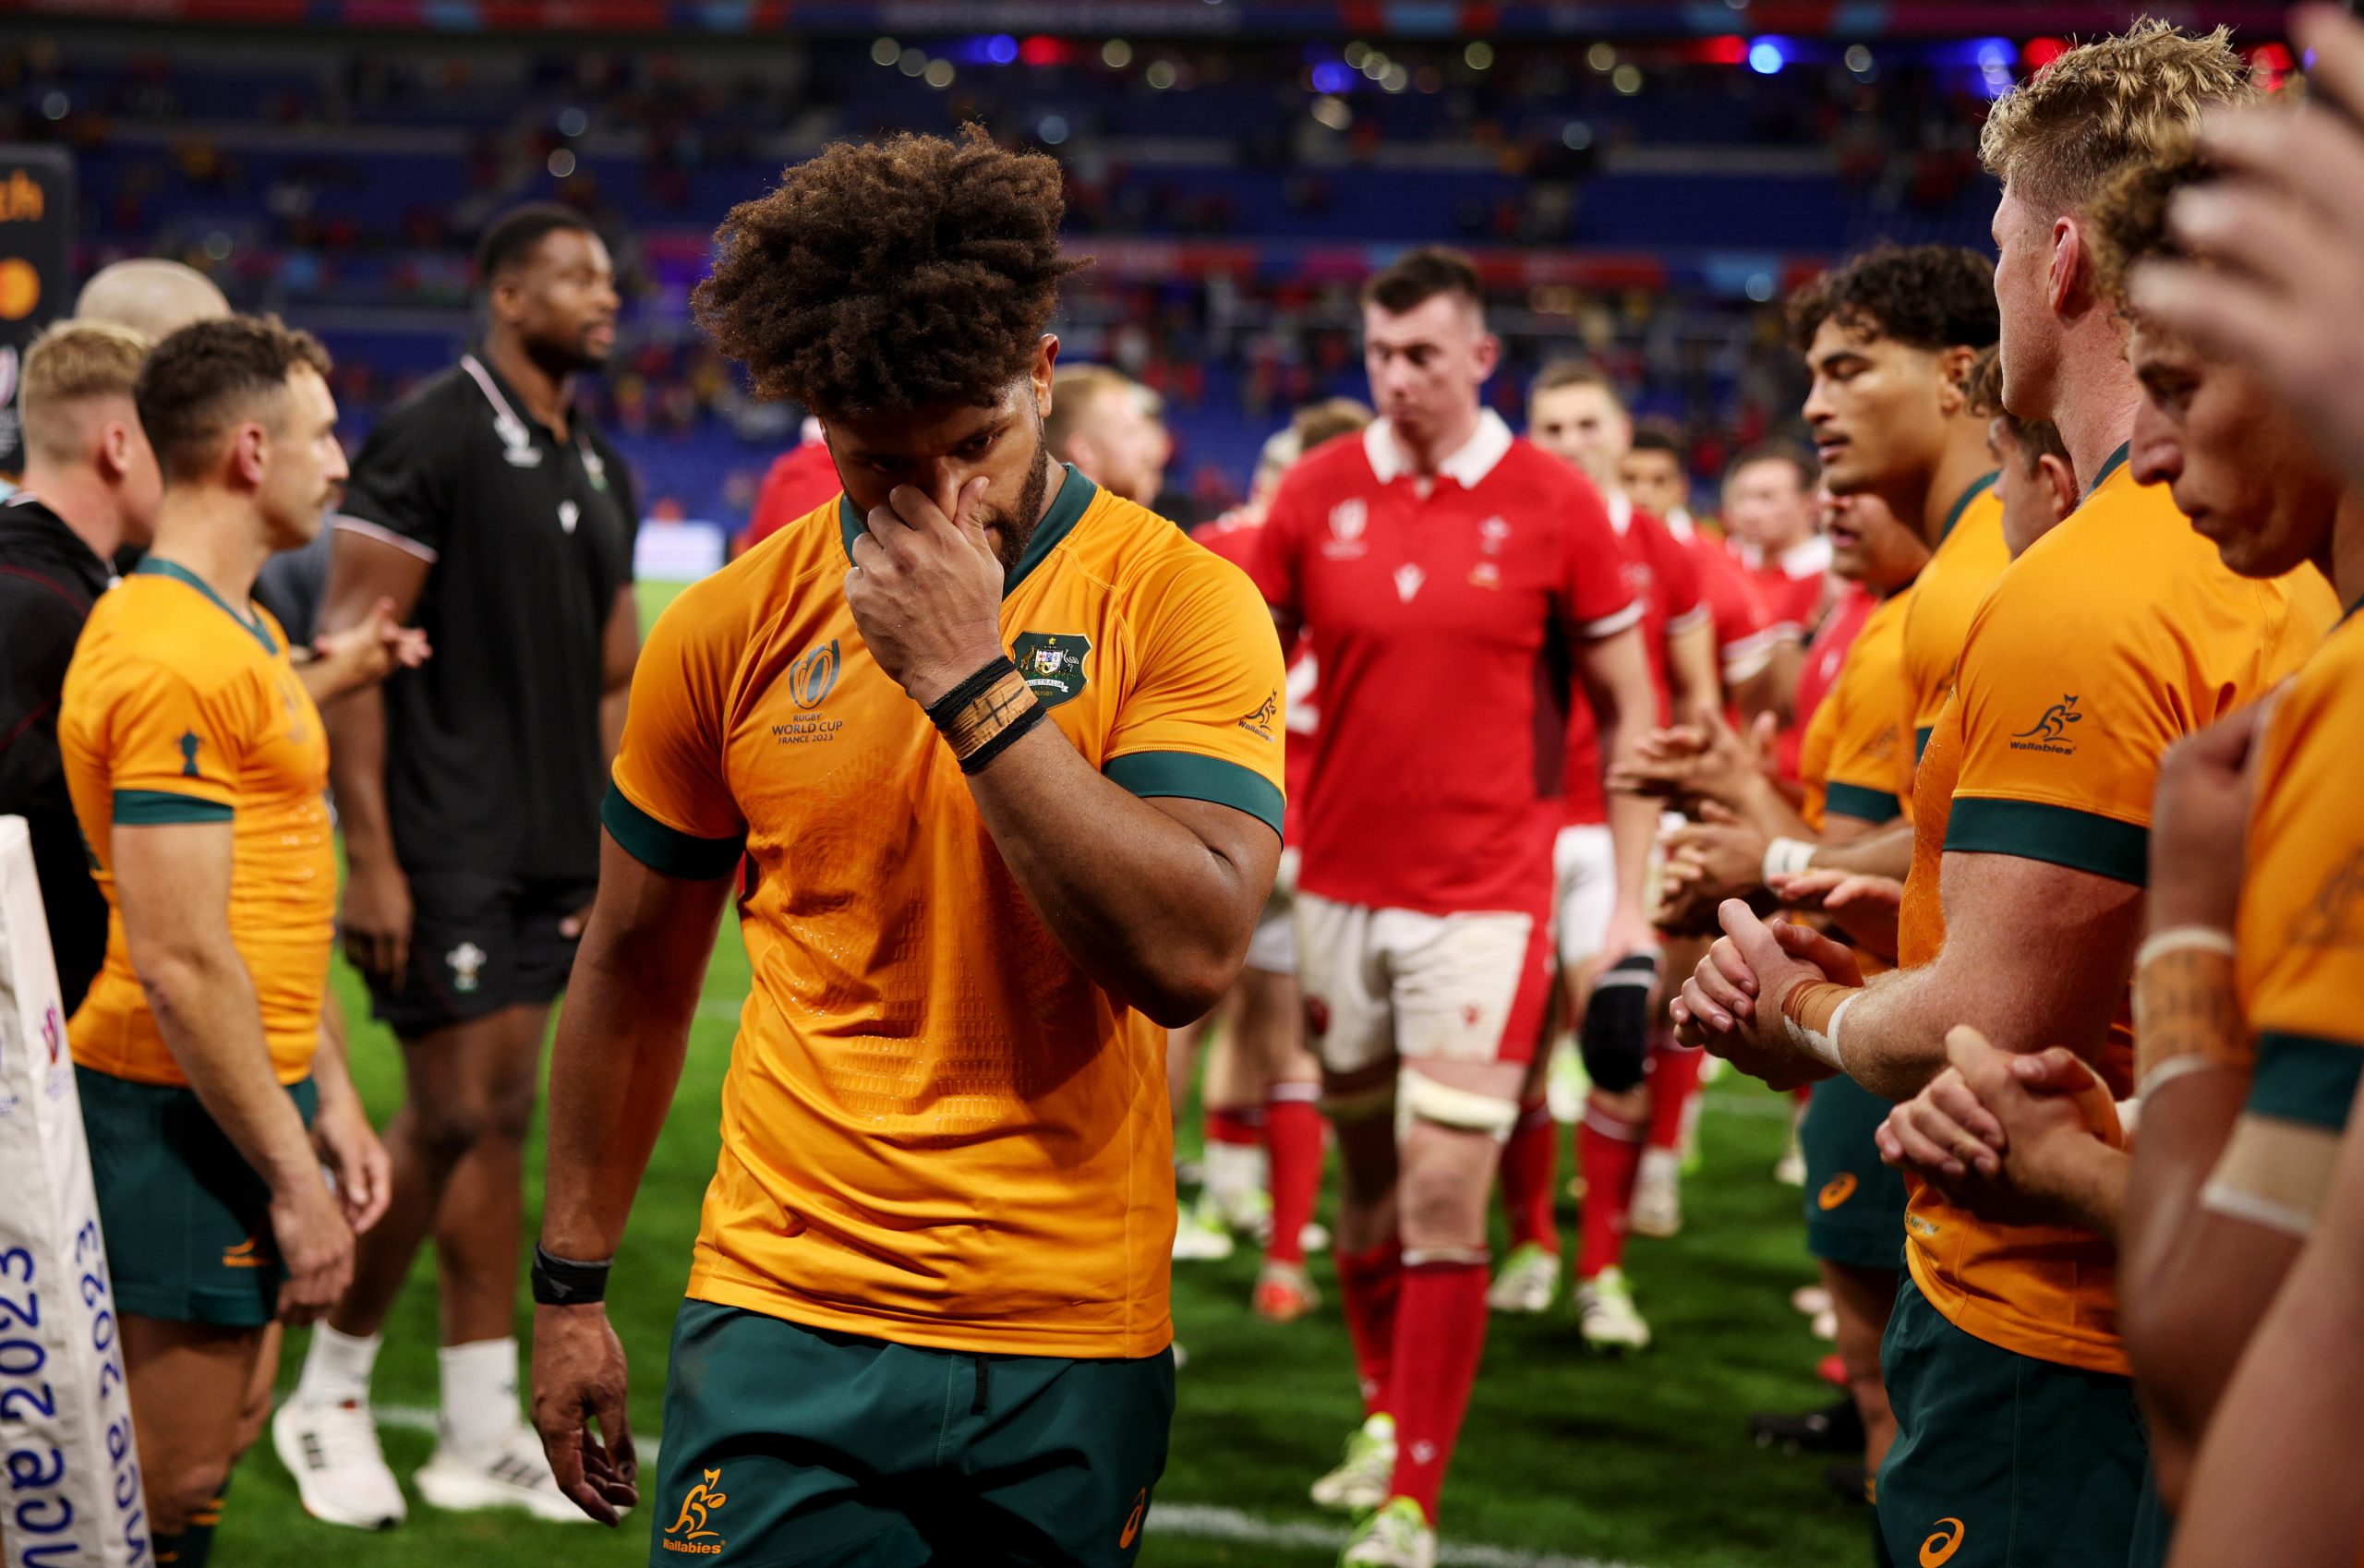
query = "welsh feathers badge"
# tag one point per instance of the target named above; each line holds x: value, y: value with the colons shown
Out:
x: 1052, y: 663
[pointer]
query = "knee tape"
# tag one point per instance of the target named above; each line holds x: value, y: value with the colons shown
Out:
x: 1423, y: 1098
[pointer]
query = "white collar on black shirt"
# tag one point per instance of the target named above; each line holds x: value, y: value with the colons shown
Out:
x: 1468, y: 466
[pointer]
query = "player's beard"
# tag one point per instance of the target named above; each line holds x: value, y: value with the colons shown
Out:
x: 1014, y: 528
x: 561, y: 357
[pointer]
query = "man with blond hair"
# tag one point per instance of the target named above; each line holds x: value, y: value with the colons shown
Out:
x: 2112, y: 637
x: 90, y: 487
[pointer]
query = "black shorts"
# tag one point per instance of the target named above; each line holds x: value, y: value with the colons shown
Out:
x: 478, y: 944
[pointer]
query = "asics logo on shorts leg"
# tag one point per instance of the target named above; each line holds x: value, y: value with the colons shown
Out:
x: 1837, y: 1190
x: 1943, y: 1542
x: 1132, y: 1529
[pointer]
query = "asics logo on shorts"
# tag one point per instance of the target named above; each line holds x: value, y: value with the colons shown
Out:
x: 1943, y: 1542
x: 1132, y: 1529
x: 1837, y: 1190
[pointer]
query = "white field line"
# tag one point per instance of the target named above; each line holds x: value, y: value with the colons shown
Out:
x: 1197, y: 1521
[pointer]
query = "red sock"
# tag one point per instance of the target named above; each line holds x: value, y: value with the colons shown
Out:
x: 1370, y: 1287
x: 1609, y: 1152
x: 1439, y: 1338
x: 1235, y: 1123
x: 1674, y: 1089
x: 1530, y: 1167
x: 1293, y: 1135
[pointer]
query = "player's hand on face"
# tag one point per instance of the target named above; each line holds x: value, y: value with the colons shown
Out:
x: 350, y: 1148
x: 377, y: 920
x: 579, y: 1382
x: 315, y: 1246
x: 925, y: 590
x: 2199, y: 822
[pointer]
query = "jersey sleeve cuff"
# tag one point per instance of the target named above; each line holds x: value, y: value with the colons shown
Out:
x: 1697, y: 616
x: 153, y: 808
x: 2036, y: 830
x: 1195, y: 777
x: 1609, y: 625
x: 1862, y: 804
x: 665, y: 849
x: 2305, y: 1077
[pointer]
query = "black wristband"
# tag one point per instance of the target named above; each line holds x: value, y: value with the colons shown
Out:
x: 947, y: 707
x: 1011, y: 733
x: 562, y: 1282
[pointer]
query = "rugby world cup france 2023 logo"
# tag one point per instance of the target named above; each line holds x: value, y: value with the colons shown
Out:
x: 813, y: 675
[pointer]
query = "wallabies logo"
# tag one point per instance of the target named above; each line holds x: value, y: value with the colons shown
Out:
x: 689, y: 1533
x: 813, y: 675
x: 2050, y: 733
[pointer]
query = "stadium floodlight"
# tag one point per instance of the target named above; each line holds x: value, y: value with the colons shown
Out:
x: 1765, y: 57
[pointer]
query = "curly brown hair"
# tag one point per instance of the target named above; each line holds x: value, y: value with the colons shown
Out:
x: 1926, y: 296
x: 884, y: 278
x: 2128, y: 222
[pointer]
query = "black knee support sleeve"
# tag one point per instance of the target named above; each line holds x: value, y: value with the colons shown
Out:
x: 1615, y: 1039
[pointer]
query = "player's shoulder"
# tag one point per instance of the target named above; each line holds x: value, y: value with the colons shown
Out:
x: 808, y: 554
x: 435, y: 407
x: 153, y: 627
x: 2328, y: 690
x: 1140, y: 553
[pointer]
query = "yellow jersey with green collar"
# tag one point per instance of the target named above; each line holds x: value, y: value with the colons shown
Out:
x: 2113, y: 636
x: 936, y: 1130
x: 1855, y: 760
x: 2300, y: 964
x: 176, y: 709
x: 1970, y: 554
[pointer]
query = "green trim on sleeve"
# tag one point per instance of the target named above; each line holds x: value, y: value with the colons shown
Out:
x: 1191, y: 776
x: 154, y: 808
x: 1862, y: 804
x: 666, y: 850
x: 2082, y: 840
x: 2304, y: 1077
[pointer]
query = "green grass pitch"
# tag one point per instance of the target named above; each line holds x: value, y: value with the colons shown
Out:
x: 1566, y: 1459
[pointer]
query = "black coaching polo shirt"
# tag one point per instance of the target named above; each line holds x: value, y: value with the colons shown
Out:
x: 493, y: 760
x: 49, y: 580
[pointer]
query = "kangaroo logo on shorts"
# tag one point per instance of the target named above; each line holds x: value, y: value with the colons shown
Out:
x: 2050, y: 733
x: 814, y: 675
x: 468, y: 964
x: 1052, y: 663
x: 689, y: 1533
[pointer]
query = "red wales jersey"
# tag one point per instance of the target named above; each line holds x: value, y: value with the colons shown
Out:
x: 1444, y: 610
x: 1792, y: 584
x: 1828, y: 653
x: 1745, y: 634
x: 1665, y: 578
